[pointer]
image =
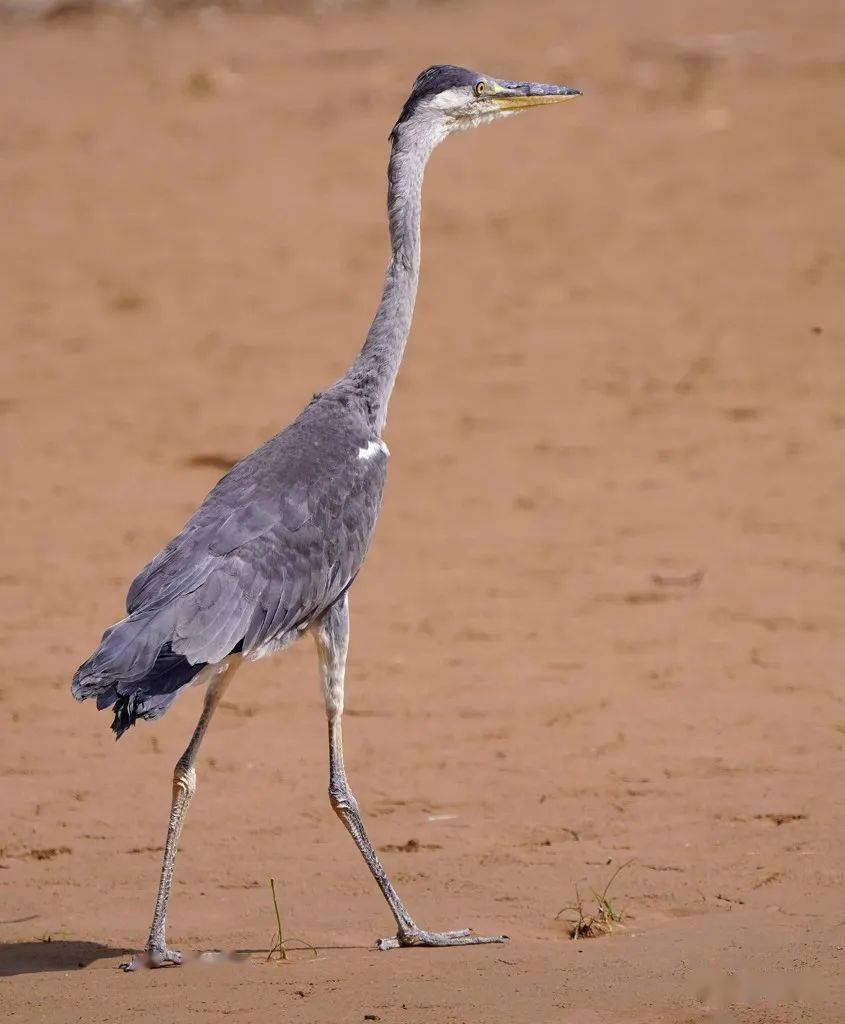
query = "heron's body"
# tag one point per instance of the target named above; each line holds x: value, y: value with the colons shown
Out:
x: 277, y: 542
x: 272, y: 551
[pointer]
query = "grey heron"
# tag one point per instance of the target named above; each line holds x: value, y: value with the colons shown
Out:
x: 273, y: 549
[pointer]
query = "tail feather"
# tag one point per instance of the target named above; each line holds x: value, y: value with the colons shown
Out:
x: 135, y: 670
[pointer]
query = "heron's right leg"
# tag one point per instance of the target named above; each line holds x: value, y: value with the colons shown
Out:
x: 332, y: 636
x: 184, y: 786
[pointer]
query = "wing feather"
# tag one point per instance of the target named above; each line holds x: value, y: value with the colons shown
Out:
x: 277, y: 541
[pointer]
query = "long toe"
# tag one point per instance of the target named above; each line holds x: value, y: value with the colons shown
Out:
x: 419, y: 937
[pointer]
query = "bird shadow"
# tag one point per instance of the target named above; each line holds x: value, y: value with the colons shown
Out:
x: 41, y: 957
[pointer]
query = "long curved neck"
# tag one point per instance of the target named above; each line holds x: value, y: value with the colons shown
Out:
x: 373, y: 373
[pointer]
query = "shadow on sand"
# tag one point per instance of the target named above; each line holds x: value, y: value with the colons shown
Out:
x: 40, y: 957
x: 57, y: 955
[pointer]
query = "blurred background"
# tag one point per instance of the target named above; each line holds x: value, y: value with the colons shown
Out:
x: 602, y: 618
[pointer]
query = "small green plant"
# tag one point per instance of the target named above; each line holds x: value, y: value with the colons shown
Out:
x: 279, y: 948
x: 600, y: 921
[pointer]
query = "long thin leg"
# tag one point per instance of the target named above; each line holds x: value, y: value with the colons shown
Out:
x: 184, y: 786
x: 332, y: 636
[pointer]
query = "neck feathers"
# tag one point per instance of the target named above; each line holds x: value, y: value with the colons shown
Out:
x: 373, y: 373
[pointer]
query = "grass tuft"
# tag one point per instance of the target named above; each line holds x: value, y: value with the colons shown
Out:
x: 280, y: 947
x: 592, y: 925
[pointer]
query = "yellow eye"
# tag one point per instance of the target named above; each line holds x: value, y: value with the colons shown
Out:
x: 479, y: 88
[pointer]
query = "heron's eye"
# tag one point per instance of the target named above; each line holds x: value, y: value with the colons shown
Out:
x: 479, y: 88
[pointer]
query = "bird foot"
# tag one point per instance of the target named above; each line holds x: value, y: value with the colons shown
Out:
x: 418, y: 937
x: 154, y: 958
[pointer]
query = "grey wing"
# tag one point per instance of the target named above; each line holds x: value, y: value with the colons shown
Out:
x: 263, y: 558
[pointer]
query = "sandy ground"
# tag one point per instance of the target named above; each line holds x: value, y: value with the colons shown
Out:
x: 627, y: 367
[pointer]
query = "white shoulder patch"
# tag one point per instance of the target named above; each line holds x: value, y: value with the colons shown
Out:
x: 373, y: 448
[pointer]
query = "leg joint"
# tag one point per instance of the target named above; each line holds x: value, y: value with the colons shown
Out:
x: 184, y: 779
x: 342, y: 799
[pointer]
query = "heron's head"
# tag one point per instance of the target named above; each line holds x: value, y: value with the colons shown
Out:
x: 445, y: 99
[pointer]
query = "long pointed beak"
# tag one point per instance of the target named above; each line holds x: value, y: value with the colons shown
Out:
x: 519, y: 95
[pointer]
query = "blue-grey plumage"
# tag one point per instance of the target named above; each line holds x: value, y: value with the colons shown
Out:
x: 276, y: 542
x: 272, y: 551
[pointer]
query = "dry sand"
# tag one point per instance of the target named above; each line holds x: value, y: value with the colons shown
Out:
x: 628, y: 360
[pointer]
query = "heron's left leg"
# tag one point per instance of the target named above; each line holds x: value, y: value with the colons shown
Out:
x: 332, y: 636
x: 184, y: 785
